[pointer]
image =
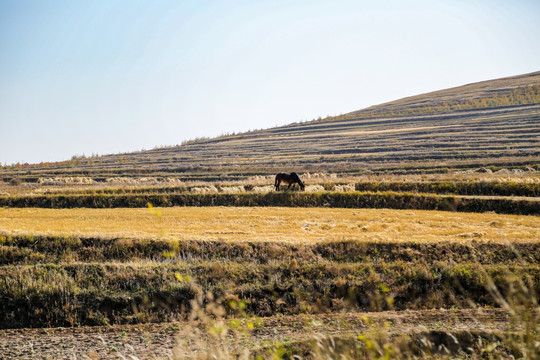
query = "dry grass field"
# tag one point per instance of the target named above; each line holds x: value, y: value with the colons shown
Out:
x: 361, y: 265
x: 226, y: 282
x: 294, y: 225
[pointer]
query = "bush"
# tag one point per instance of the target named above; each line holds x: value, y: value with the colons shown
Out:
x: 379, y: 200
x: 15, y: 181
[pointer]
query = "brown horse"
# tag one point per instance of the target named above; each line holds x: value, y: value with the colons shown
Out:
x: 290, y: 179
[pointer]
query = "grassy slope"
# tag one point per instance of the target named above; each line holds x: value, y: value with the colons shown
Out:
x: 479, y: 90
x: 434, y: 140
x: 88, y: 282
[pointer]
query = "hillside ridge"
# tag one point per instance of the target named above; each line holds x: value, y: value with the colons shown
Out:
x: 499, y: 84
x: 493, y: 123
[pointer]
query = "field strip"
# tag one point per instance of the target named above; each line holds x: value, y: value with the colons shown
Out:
x: 296, y: 199
x: 298, y: 225
x: 321, y: 134
x: 159, y: 340
x: 495, y: 197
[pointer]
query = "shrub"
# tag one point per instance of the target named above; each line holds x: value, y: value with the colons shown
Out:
x: 15, y: 181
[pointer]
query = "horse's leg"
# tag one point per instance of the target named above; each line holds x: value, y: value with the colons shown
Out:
x: 288, y: 187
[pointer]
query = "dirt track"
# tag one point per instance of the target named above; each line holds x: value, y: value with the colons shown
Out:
x: 159, y: 340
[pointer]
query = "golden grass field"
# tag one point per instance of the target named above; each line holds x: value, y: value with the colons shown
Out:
x: 299, y: 225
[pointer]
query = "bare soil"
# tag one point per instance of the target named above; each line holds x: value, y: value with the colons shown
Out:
x: 147, y: 341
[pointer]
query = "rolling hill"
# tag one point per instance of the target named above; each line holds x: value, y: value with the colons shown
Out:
x: 487, y: 124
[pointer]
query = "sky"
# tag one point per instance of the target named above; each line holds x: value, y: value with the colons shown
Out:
x: 112, y: 76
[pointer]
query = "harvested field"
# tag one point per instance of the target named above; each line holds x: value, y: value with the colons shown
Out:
x: 298, y: 225
x: 78, y: 267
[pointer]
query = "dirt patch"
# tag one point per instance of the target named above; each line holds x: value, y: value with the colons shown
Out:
x: 159, y: 340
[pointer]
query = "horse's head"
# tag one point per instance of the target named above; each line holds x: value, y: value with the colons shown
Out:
x: 297, y: 179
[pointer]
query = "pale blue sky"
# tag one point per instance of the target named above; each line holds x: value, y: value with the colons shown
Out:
x: 83, y: 77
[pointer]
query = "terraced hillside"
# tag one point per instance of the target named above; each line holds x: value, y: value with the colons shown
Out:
x: 489, y: 124
x: 416, y: 237
x: 491, y: 93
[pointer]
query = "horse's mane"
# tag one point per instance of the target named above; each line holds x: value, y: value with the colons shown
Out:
x: 297, y: 178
